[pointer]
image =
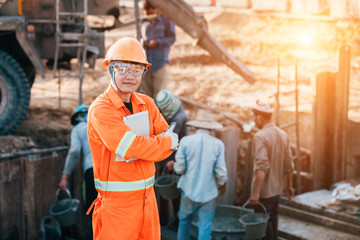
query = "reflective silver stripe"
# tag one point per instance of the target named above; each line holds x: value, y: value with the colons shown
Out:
x: 125, y: 143
x: 117, y: 186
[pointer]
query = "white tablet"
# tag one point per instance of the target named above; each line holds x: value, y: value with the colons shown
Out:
x: 138, y: 123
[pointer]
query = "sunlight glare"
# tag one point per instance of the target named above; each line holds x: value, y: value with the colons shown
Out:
x: 306, y: 39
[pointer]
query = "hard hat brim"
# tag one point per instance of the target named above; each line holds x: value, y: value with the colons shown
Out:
x: 105, y: 63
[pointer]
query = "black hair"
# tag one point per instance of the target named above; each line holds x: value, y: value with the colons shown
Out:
x: 148, y: 5
x: 265, y: 115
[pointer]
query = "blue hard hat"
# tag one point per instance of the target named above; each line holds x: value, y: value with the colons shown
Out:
x: 78, y: 114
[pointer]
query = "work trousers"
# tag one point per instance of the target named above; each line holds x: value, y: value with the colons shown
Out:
x: 272, y: 207
x: 205, y: 212
x: 154, y: 81
x: 126, y: 215
x: 168, y: 209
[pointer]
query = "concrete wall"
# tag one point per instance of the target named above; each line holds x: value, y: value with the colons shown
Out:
x: 224, y: 3
x: 345, y: 8
x: 270, y: 5
x: 235, y: 3
x: 309, y: 6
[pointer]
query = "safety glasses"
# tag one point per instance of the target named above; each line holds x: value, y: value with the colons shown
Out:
x: 123, y: 68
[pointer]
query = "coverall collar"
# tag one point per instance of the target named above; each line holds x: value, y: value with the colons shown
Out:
x: 116, y: 100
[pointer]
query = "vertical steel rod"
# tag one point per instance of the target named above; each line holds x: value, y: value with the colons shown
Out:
x: 80, y: 100
x: 277, y: 92
x: 341, y: 114
x: 82, y: 57
x: 137, y: 19
x: 59, y: 91
x: 298, y: 180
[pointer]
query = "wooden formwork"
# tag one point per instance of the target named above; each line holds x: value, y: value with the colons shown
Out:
x: 230, y: 138
x: 331, y: 134
x: 25, y: 196
x: 28, y: 186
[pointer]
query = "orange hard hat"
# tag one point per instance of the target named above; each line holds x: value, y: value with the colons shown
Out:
x: 126, y: 49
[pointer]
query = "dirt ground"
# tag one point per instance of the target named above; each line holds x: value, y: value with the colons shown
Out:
x: 256, y: 39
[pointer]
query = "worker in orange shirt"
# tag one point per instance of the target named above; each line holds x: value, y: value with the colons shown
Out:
x: 126, y: 206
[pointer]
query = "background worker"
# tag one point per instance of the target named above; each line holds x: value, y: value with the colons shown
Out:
x: 126, y: 206
x: 173, y: 111
x: 158, y: 35
x: 201, y: 161
x: 272, y: 164
x: 79, y: 145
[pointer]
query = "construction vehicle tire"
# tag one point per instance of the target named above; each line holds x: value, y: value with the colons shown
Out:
x: 14, y: 94
x: 31, y: 74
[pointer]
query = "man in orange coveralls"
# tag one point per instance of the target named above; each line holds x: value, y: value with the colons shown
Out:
x: 126, y: 206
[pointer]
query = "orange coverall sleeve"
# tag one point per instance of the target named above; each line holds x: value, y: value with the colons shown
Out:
x: 119, y: 138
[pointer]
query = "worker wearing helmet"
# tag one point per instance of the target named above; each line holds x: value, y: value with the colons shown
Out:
x: 79, y: 145
x: 126, y: 206
x: 80, y: 114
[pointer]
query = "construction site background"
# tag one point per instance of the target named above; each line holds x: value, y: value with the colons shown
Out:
x: 261, y: 35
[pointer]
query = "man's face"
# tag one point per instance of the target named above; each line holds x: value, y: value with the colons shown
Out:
x: 127, y: 75
x: 150, y: 11
x: 258, y: 119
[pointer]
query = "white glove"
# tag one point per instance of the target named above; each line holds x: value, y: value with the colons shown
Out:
x: 174, y: 136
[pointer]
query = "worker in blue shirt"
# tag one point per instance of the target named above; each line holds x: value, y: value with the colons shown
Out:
x: 200, y: 159
x: 158, y: 34
x: 79, y: 146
